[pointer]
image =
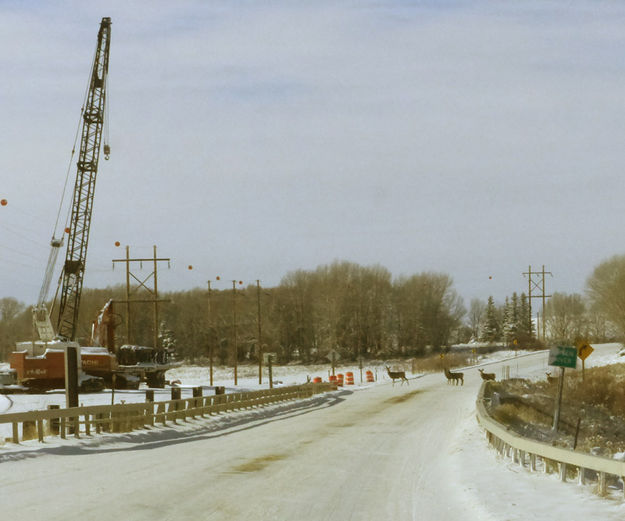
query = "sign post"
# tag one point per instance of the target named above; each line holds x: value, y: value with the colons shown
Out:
x: 333, y: 356
x: 268, y: 359
x: 584, y: 349
x: 562, y: 357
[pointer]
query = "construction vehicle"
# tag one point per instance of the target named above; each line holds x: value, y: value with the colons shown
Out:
x: 42, y: 364
x: 135, y: 363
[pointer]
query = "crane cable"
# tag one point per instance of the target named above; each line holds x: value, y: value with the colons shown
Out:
x: 57, y: 243
x: 69, y: 165
x: 105, y: 122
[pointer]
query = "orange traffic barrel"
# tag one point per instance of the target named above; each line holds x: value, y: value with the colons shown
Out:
x: 317, y: 380
x: 349, y: 378
x: 339, y: 379
x: 332, y: 378
x: 369, y: 375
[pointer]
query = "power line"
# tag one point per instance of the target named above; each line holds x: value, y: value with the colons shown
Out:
x: 537, y: 284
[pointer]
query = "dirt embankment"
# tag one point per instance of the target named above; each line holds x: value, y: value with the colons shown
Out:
x: 593, y: 408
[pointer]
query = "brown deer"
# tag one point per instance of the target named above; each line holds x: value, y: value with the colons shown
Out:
x: 454, y: 377
x: 551, y: 379
x: 486, y: 376
x: 397, y: 375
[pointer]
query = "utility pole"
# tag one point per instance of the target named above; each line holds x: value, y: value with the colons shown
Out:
x: 210, y: 335
x: 234, y: 328
x: 260, y: 345
x: 537, y: 284
x: 156, y: 328
x: 142, y: 283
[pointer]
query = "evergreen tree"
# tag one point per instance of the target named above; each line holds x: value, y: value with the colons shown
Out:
x: 505, y: 324
x: 513, y: 313
x: 526, y: 326
x: 491, y: 330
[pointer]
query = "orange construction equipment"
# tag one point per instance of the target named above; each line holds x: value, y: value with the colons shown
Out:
x: 369, y: 377
x: 349, y: 378
x: 317, y: 380
x: 339, y: 379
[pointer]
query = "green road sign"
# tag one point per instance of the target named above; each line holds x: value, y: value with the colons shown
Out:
x: 563, y: 356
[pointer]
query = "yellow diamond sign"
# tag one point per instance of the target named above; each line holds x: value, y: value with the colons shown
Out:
x: 584, y: 349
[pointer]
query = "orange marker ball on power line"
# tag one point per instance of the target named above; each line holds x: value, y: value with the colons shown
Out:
x: 117, y: 243
x: 66, y: 230
x: 190, y: 267
x: 240, y: 282
x: 4, y: 202
x: 218, y: 277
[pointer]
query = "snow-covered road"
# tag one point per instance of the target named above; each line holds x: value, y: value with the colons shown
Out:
x: 384, y: 452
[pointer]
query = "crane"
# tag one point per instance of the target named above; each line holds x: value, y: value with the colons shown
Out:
x: 82, y: 206
x: 71, y: 281
x: 57, y: 358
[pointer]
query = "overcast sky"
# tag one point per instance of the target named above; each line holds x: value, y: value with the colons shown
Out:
x: 250, y: 139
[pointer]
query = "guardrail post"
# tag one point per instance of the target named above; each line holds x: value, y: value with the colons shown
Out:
x: 581, y: 475
x: 16, y: 436
x: 171, y: 414
x: 533, y: 462
x: 28, y: 430
x: 174, y: 405
x: 601, y: 486
x: 160, y: 411
x: 40, y: 429
x: 115, y: 424
x: 199, y: 400
x: 149, y: 412
x: 186, y: 409
x: 562, y: 472
x: 53, y: 423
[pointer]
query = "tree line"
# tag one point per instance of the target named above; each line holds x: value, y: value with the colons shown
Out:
x: 352, y: 309
x: 596, y: 316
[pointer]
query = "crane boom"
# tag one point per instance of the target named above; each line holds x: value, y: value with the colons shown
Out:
x: 82, y: 205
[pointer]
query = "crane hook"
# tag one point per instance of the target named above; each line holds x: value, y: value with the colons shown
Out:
x: 107, y: 152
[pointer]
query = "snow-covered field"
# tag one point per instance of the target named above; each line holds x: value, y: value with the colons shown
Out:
x: 194, y: 376
x: 475, y: 480
x: 191, y: 376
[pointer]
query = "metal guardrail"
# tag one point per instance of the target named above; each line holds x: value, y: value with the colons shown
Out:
x: 131, y: 416
x: 520, y: 449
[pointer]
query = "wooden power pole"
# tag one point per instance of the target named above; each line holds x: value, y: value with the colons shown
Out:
x: 259, y: 344
x: 141, y: 283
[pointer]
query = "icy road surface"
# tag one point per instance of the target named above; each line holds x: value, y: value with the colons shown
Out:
x: 383, y: 452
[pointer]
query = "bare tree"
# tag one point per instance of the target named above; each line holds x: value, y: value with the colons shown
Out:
x: 427, y: 309
x: 606, y: 291
x: 477, y: 310
x: 565, y: 317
